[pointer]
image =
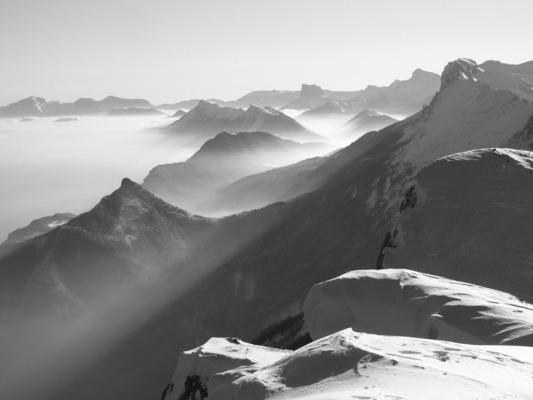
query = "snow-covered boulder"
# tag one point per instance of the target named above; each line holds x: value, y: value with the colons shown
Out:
x: 401, y: 302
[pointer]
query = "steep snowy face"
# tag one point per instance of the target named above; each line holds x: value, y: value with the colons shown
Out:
x: 401, y: 302
x: 469, y: 220
x: 348, y: 365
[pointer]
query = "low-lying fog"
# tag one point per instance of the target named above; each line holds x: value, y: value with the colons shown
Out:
x: 48, y: 166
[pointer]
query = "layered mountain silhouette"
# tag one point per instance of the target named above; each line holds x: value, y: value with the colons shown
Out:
x: 258, y: 190
x: 259, y: 266
x: 178, y: 114
x: 363, y: 122
x: 399, y: 98
x: 37, y: 227
x: 311, y: 96
x: 332, y: 107
x: 221, y: 160
x: 38, y: 107
x: 208, y: 119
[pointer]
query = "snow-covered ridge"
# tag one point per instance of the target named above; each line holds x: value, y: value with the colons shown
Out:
x: 522, y: 158
x: 351, y: 365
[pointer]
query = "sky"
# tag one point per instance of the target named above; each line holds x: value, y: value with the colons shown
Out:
x: 171, y: 50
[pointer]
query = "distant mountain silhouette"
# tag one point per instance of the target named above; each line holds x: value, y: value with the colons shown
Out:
x: 39, y: 107
x: 37, y: 227
x: 400, y: 97
x: 365, y: 121
x: 178, y: 114
x: 208, y: 119
x: 224, y: 159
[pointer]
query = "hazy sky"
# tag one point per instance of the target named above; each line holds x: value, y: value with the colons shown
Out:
x: 169, y: 50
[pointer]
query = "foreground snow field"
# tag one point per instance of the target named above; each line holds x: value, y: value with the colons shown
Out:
x: 350, y: 365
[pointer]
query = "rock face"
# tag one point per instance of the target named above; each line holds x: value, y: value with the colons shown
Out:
x: 311, y: 96
x: 470, y: 220
x: 38, y: 227
x: 207, y: 119
x: 461, y: 69
x: 348, y: 365
x: 397, y: 302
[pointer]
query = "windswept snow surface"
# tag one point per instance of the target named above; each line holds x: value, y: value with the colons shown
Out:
x: 408, y: 303
x: 350, y: 365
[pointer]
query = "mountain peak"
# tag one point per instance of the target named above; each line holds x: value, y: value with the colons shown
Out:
x: 460, y: 69
x: 421, y: 74
x: 311, y: 91
x: 126, y: 182
x: 366, y: 113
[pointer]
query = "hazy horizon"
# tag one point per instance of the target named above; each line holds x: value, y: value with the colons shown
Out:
x: 168, y: 51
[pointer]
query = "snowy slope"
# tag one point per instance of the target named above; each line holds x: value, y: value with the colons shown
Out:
x: 401, y: 302
x: 470, y: 218
x: 349, y: 365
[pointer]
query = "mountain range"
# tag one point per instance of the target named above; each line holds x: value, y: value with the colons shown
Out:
x: 207, y: 119
x: 399, y: 98
x: 37, y: 107
x: 373, y: 204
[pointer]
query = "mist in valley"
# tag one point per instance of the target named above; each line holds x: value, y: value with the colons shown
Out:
x: 48, y: 167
